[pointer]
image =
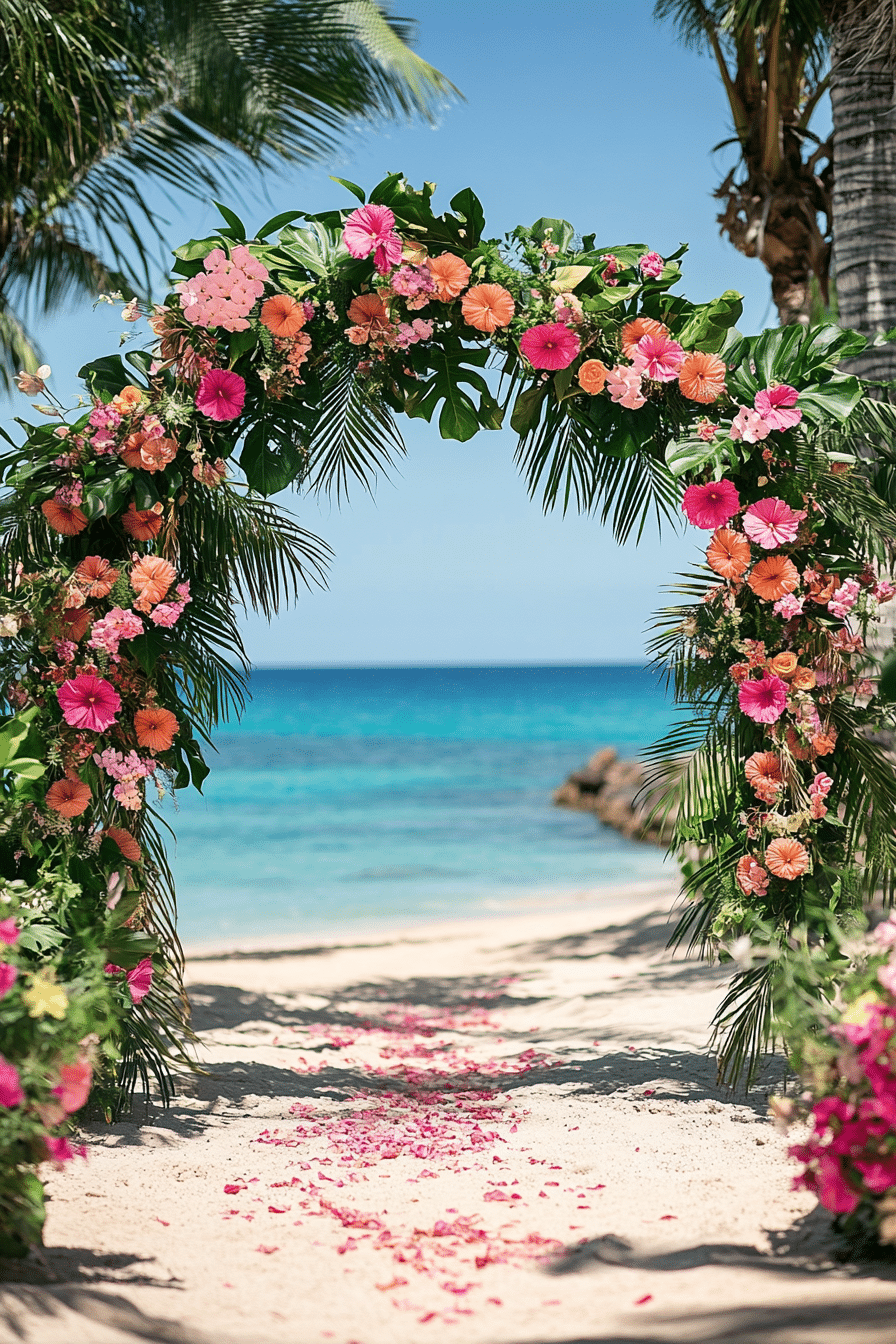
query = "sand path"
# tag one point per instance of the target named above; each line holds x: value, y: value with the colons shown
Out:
x: 501, y: 1132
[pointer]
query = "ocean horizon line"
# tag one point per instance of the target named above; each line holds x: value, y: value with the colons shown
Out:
x: 438, y: 666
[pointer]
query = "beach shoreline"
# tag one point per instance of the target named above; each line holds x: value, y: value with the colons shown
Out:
x: 494, y: 1131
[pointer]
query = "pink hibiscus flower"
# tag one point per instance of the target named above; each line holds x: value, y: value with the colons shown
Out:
x: 139, y: 980
x: 777, y: 406
x: 89, y: 702
x: 60, y: 1150
x: 749, y: 426
x: 11, y: 1093
x: 221, y: 394
x: 551, y: 345
x: 659, y: 358
x: 771, y: 523
x: 833, y: 1191
x: 8, y: 976
x: 763, y: 701
x: 73, y: 1088
x: 372, y: 229
x: 710, y: 506
x: 9, y: 932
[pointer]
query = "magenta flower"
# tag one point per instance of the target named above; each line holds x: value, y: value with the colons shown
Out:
x: 89, y: 702
x: 9, y: 932
x: 710, y: 506
x: 833, y: 1191
x: 659, y: 358
x: 763, y: 701
x: 221, y: 394
x: 651, y: 265
x: 771, y: 523
x: 8, y: 976
x: 372, y: 229
x: 139, y: 980
x: 60, y: 1150
x: 550, y: 345
x: 777, y: 406
x: 11, y: 1093
x: 73, y: 1088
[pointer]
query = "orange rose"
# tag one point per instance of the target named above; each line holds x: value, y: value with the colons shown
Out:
x: 128, y: 400
x: 783, y: 665
x: 592, y: 376
x: 803, y: 679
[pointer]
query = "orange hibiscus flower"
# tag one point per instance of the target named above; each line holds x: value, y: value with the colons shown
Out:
x: 825, y: 741
x: 787, y: 858
x: 141, y: 524
x: 592, y: 376
x: 773, y: 577
x: 763, y: 766
x: 65, y: 518
x: 130, y: 450
x: 125, y: 842
x: 95, y: 576
x: 728, y: 553
x: 633, y: 331
x: 487, y: 307
x: 702, y: 377
x: 155, y: 728
x: 68, y: 797
x: 282, y: 315
x: 798, y: 749
x: 151, y: 577
x: 451, y: 274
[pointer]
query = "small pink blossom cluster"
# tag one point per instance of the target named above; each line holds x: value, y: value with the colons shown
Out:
x: 789, y: 606
x: 226, y: 293
x: 611, y: 270
x: 107, y: 633
x: 70, y: 496
x: 850, y: 1153
x: 414, y: 284
x: 409, y: 333
x: 773, y: 408
x: 127, y: 770
x: 624, y: 386
x: 818, y: 791
x: 844, y: 599
x: 168, y: 614
x: 651, y: 265
x: 103, y: 419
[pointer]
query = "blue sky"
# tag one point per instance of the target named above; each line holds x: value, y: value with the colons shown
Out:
x: 583, y: 109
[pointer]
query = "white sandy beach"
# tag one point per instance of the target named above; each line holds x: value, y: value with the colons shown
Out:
x: 497, y: 1132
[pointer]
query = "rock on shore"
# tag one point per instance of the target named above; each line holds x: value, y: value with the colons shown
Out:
x: 614, y: 791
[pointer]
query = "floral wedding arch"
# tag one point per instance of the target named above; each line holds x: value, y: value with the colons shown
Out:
x: 134, y: 525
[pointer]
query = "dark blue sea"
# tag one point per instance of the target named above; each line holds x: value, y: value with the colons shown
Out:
x: 365, y: 796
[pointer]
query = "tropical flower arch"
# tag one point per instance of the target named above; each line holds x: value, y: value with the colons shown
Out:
x: 134, y: 524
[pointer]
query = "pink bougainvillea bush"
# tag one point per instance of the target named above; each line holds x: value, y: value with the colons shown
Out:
x: 838, y: 1011
x: 135, y: 523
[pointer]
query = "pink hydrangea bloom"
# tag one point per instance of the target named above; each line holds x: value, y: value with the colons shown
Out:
x: 9, y: 932
x: 221, y: 394
x: 651, y: 265
x: 167, y: 614
x: 844, y: 598
x: 712, y: 505
x: 89, y: 702
x: 749, y: 426
x: 372, y: 229
x: 8, y: 976
x: 763, y: 701
x: 624, y: 386
x: 226, y: 293
x: 659, y: 358
x: 789, y: 606
x: 883, y: 590
x: 550, y: 345
x: 777, y: 406
x: 414, y: 283
x: 409, y: 333
x: 11, y: 1093
x: 887, y: 977
x: 119, y: 624
x: 884, y: 934
x: 772, y: 523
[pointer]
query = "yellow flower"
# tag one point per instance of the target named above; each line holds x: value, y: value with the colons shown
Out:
x: 859, y: 1010
x: 45, y: 999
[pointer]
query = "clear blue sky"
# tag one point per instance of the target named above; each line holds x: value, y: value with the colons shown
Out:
x: 583, y: 109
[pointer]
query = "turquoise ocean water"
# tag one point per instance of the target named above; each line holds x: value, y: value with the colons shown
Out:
x: 356, y: 796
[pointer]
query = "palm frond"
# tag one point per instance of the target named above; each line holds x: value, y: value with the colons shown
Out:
x: 355, y: 437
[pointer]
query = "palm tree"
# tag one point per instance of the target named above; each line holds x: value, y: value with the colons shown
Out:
x: 771, y: 57
x: 101, y: 98
x: 863, y: 93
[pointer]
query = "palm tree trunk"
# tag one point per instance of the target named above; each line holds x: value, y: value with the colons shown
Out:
x: 862, y: 98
